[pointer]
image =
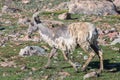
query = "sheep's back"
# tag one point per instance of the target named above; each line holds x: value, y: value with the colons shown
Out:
x: 83, y: 32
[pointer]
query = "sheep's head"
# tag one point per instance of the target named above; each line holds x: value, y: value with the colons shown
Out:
x: 37, y: 19
x: 33, y: 24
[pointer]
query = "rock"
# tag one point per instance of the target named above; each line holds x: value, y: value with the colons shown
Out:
x: 117, y: 4
x: 50, y: 4
x: 24, y: 67
x: 25, y: 1
x: 63, y: 74
x: 1, y: 14
x: 64, y: 16
x: 113, y: 29
x: 3, y: 40
x: 115, y: 41
x: 23, y: 20
x: 32, y: 50
x: 92, y: 7
x: 78, y: 65
x: 45, y: 77
x: 34, y: 69
x: 81, y: 53
x: 112, y: 35
x: 115, y: 48
x: 8, y: 22
x: 6, y: 9
x: 9, y: 3
x: 85, y: 57
x: 8, y: 64
x: 29, y: 78
x: 91, y: 74
x: 61, y: 6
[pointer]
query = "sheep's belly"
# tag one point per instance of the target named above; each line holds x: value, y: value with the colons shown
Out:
x: 65, y: 44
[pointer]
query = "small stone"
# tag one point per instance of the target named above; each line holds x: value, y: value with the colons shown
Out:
x: 55, y: 62
x: 41, y: 71
x: 81, y: 53
x: 91, y: 74
x: 8, y: 64
x: 34, y: 69
x: 23, y: 67
x: 78, y: 65
x: 4, y: 9
x: 50, y: 4
x: 64, y: 16
x: 23, y: 21
x: 30, y: 73
x: 0, y: 15
x: 85, y: 57
x: 7, y: 22
x: 115, y: 41
x: 25, y: 1
x: 64, y: 73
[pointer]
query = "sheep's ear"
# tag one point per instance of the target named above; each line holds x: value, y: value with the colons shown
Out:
x: 28, y: 20
x: 31, y: 48
x: 37, y: 19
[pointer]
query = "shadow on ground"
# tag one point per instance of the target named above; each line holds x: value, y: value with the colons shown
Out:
x: 112, y: 67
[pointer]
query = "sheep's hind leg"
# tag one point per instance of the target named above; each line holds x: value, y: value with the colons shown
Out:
x: 91, y: 53
x: 100, y: 55
x: 65, y: 54
x: 50, y: 56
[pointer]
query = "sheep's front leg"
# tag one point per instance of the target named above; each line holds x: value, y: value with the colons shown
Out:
x: 50, y: 56
x: 65, y: 54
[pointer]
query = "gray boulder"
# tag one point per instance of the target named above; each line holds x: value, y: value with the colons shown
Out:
x: 92, y: 7
x: 117, y: 4
x: 32, y: 50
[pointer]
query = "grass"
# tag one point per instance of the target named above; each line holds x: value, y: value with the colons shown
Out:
x: 34, y: 64
x: 37, y: 62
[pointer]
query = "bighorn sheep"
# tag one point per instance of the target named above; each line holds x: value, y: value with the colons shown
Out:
x: 66, y: 38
